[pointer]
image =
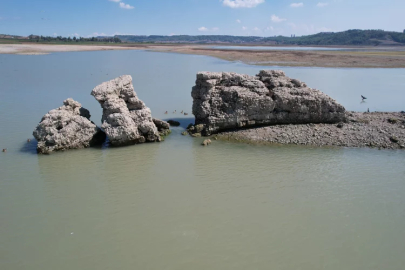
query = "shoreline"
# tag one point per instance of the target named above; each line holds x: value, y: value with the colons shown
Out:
x: 381, y: 130
x: 41, y: 49
x: 362, y: 57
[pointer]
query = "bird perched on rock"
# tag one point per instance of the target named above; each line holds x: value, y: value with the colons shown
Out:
x: 363, y: 97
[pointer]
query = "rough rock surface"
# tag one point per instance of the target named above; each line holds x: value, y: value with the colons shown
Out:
x: 224, y: 101
x: 126, y: 120
x: 162, y: 126
x: 376, y: 130
x: 67, y: 127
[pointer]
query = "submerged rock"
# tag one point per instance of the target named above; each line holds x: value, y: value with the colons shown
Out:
x: 174, y: 123
x: 224, y: 100
x: 126, y: 119
x: 206, y: 142
x: 67, y: 127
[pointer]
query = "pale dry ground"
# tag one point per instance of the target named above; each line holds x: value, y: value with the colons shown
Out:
x: 35, y: 49
x: 363, y: 57
x: 369, y: 57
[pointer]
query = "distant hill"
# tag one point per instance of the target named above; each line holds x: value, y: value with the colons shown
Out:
x: 350, y: 37
x: 191, y: 39
x: 12, y: 37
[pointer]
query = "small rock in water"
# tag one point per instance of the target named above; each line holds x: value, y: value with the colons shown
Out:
x: 206, y: 142
x: 4, y: 150
x: 174, y: 123
x: 184, y: 133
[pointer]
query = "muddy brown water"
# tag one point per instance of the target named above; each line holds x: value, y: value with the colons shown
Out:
x: 178, y: 205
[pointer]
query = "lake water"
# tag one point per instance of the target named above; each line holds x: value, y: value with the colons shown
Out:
x: 178, y: 205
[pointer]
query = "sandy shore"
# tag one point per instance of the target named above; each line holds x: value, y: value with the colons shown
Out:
x: 37, y: 49
x: 376, y: 130
x: 367, y: 57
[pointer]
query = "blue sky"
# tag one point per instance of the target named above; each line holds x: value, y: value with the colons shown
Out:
x: 195, y: 17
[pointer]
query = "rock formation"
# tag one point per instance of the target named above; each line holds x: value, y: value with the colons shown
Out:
x: 126, y: 120
x: 228, y: 100
x: 162, y: 126
x: 67, y: 127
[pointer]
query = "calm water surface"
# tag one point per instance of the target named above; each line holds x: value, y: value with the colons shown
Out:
x: 177, y: 205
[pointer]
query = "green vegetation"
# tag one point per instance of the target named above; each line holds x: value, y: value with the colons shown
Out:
x: 350, y: 37
x: 42, y: 39
x: 11, y: 39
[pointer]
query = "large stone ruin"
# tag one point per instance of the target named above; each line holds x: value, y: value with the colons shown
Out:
x: 223, y: 101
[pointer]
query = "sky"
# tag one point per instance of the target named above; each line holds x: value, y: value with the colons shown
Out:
x: 197, y: 17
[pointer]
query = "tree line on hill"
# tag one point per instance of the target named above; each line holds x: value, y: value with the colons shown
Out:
x: 350, y: 37
x: 36, y: 38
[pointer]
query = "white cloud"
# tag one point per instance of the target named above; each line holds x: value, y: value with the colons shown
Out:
x: 76, y: 34
x: 321, y: 4
x: 242, y: 3
x: 270, y: 28
x: 297, y: 5
x: 238, y: 21
x: 54, y: 34
x: 125, y: 6
x: 277, y: 19
x: 244, y: 28
x: 115, y: 1
x: 205, y: 29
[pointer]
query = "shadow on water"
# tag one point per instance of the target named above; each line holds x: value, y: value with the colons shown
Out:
x: 29, y: 147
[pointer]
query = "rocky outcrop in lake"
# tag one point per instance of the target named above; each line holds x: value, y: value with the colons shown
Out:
x: 126, y: 119
x: 67, y: 127
x: 223, y: 101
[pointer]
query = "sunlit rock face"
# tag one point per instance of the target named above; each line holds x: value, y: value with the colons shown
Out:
x: 223, y: 100
x: 67, y: 127
x: 126, y: 119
